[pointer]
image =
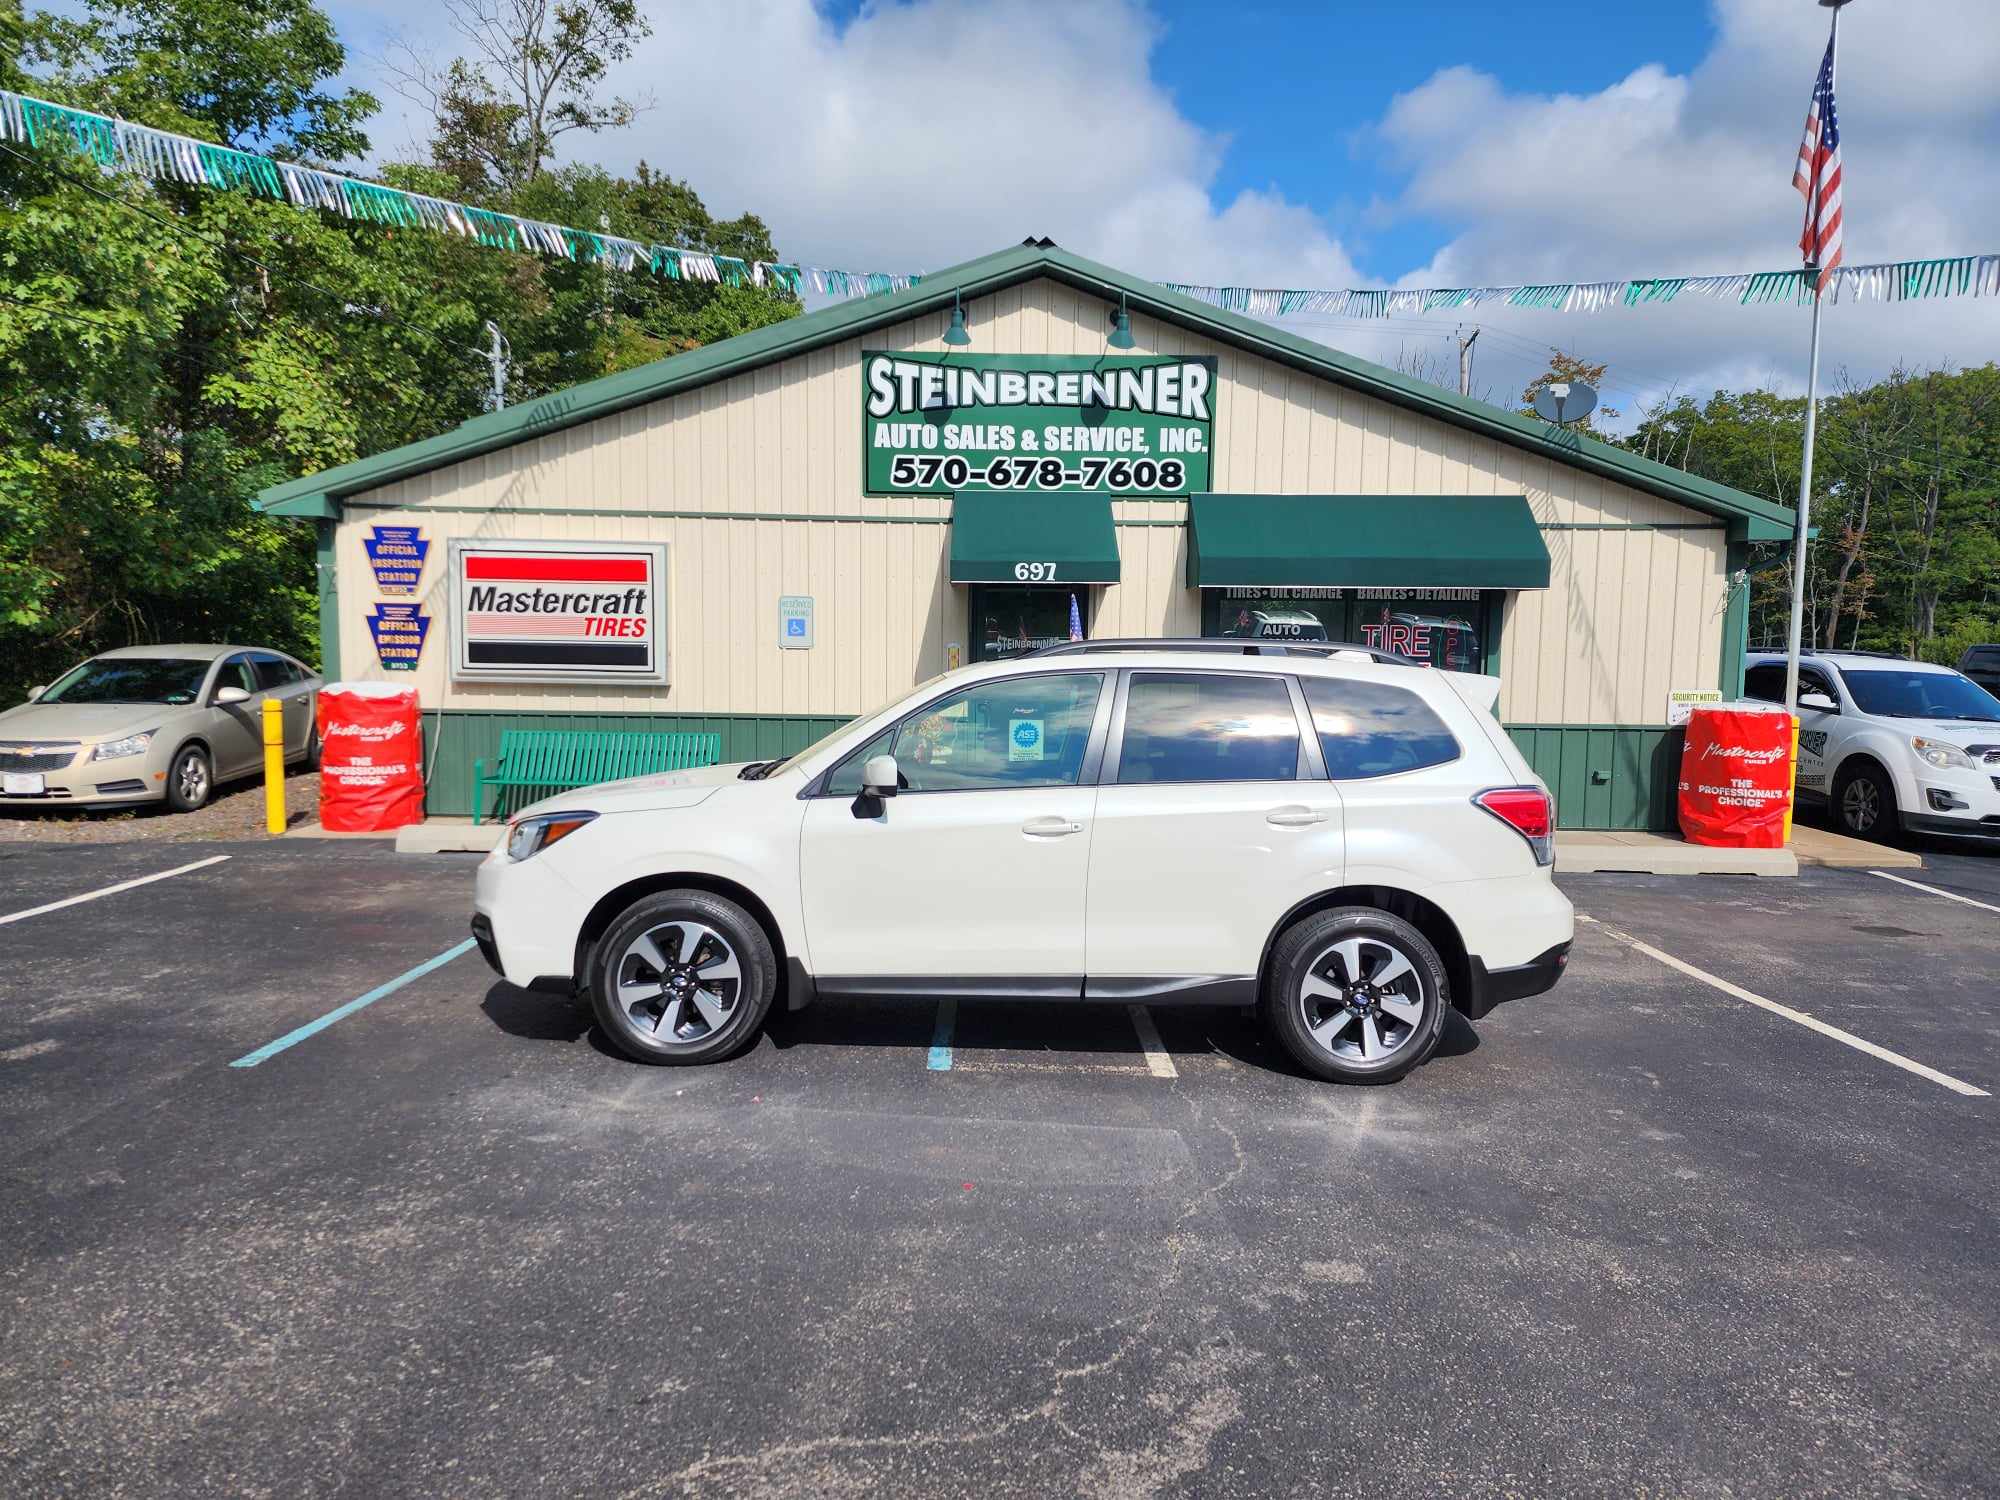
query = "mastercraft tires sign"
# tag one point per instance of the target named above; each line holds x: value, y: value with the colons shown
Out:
x: 558, y: 611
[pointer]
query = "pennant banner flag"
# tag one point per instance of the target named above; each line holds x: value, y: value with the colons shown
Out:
x: 117, y: 145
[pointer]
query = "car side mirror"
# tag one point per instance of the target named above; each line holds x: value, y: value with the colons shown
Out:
x: 1818, y: 702
x: 230, y: 694
x: 37, y: 691
x: 879, y: 777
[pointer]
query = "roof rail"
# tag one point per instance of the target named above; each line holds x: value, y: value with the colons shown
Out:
x: 1235, y: 646
x: 1839, y: 651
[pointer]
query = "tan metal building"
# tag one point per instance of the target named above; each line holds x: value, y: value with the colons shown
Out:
x: 773, y: 534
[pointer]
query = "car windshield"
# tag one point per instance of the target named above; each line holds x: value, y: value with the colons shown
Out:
x: 831, y: 735
x: 1921, y: 695
x: 172, y: 680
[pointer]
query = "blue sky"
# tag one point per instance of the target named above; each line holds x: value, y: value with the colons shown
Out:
x: 1422, y: 143
x: 1297, y: 111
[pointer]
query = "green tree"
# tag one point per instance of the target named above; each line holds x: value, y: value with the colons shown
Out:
x: 532, y: 76
x: 167, y: 351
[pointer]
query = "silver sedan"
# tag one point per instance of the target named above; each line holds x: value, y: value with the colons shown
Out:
x: 151, y: 722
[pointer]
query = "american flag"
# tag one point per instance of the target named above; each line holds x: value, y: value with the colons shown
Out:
x: 1075, y: 620
x: 1818, y: 175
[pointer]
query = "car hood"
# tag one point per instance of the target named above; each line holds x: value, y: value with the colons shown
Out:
x: 1955, y: 731
x: 643, y: 793
x: 52, y: 722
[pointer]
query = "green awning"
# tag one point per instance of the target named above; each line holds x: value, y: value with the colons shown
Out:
x: 1002, y: 536
x: 1368, y: 541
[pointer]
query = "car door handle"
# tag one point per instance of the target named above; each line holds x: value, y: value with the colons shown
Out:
x: 1050, y: 828
x: 1293, y: 817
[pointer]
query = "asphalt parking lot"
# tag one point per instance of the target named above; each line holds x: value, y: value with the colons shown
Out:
x: 1641, y: 1235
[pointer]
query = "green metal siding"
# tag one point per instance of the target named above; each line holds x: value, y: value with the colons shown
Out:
x: 1604, y: 776
x: 1607, y: 776
x: 455, y: 738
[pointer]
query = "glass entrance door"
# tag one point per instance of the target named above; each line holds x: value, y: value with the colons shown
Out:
x: 1011, y: 619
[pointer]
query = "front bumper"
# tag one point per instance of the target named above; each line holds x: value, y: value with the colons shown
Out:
x: 1491, y: 987
x: 526, y: 918
x: 89, y: 783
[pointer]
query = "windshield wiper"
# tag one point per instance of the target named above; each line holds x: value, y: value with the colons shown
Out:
x: 757, y: 770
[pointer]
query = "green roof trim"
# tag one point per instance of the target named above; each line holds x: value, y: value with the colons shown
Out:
x: 1756, y: 519
x: 1056, y: 537
x: 1365, y: 541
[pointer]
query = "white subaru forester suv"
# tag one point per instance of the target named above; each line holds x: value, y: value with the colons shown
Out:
x: 1349, y: 843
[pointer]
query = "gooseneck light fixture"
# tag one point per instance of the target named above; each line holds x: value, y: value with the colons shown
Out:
x: 956, y: 335
x: 1121, y: 336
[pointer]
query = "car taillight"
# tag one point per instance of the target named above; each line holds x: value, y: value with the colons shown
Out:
x: 1529, y: 812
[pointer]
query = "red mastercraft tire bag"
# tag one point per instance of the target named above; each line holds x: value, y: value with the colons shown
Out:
x: 1736, y: 776
x: 371, y: 776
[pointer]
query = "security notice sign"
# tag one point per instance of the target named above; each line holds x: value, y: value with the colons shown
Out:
x: 558, y: 611
x: 1107, y: 424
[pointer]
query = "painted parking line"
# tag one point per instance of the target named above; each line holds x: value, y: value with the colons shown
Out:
x: 313, y: 1028
x: 1948, y: 895
x: 112, y: 890
x: 1159, y: 1062
x: 1811, y: 1023
x: 947, y: 1019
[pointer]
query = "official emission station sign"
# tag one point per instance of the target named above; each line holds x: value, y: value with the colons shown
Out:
x: 1133, y: 425
x: 558, y: 611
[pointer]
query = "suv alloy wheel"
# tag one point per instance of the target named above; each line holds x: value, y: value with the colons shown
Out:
x: 683, y: 977
x: 1356, y: 994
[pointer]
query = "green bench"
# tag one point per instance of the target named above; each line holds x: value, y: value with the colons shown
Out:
x: 560, y: 758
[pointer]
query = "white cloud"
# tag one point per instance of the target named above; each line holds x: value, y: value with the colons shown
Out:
x: 1663, y: 174
x: 925, y: 133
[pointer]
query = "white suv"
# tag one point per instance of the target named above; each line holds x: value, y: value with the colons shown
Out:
x: 1891, y: 743
x: 1351, y: 844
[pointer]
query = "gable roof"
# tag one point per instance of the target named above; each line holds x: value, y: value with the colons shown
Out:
x: 1751, y: 518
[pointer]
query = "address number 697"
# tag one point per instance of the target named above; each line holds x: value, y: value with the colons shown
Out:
x: 1041, y: 572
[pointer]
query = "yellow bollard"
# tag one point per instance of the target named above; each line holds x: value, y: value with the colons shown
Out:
x: 274, y: 765
x: 1791, y: 792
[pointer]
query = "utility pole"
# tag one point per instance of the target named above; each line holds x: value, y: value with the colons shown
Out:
x: 499, y: 354
x: 1465, y: 363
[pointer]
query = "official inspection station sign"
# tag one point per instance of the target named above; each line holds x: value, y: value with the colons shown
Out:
x: 1137, y: 425
x: 558, y: 611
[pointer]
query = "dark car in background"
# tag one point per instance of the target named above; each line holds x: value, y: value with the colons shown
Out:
x: 1982, y: 665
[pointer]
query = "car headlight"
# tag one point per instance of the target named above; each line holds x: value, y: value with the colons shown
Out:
x: 1946, y: 757
x: 530, y: 836
x: 132, y: 744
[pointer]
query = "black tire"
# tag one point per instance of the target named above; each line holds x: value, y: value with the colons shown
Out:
x: 190, y: 779
x: 1306, y: 948
x: 624, y: 1021
x: 312, y: 749
x: 1864, y: 802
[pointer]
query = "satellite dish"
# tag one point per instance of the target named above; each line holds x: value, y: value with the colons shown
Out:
x: 1565, y: 401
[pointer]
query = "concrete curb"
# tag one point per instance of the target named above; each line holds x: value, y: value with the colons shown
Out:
x: 449, y: 836
x: 1644, y: 854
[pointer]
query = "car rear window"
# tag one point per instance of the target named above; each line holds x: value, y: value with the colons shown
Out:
x: 1372, y: 729
x: 1208, y: 726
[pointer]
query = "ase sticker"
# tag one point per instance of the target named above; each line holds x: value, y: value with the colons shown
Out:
x: 1024, y: 739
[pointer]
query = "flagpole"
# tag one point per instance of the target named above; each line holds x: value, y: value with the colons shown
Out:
x: 1804, y: 519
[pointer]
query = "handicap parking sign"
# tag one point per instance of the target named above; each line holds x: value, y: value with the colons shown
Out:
x: 795, y: 622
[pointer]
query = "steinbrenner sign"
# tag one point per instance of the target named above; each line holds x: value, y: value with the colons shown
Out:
x: 558, y: 611
x: 1104, y: 424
